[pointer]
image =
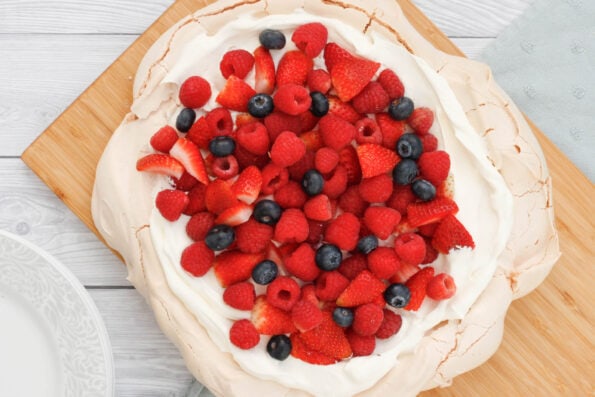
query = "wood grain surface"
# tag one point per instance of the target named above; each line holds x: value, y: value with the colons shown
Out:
x: 548, y: 346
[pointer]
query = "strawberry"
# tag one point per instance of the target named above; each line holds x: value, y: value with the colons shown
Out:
x: 391, y: 84
x: 200, y: 133
x: 243, y: 334
x: 391, y: 129
x: 424, y: 213
x: 372, y: 99
x: 171, y: 203
x: 381, y: 221
x: 235, y: 215
x: 450, y: 234
x: 367, y: 319
x: 240, y: 296
x: 287, y: 149
x: 245, y: 118
x: 417, y: 285
x: 283, y: 292
x: 318, y: 208
x: 364, y: 288
x: 319, y: 80
x: 189, y: 155
x: 333, y: 54
x: 349, y: 160
x: 343, y: 231
x: 375, y: 159
x: 270, y: 320
x: 293, y: 67
x: 195, y: 92
x: 292, y: 99
x: 290, y: 195
x: 336, y: 132
x: 434, y: 166
x: 431, y: 252
x: 219, y: 196
x: 326, y: 160
x: 442, y: 286
x: 199, y: 225
x: 350, y: 76
x: 377, y: 189
x: 160, y: 164
x: 164, y: 139
x: 310, y: 38
x: 306, y: 315
x: 311, y: 139
x: 236, y: 62
x: 253, y: 237
x: 421, y: 120
x: 342, y: 109
x: 234, y: 266
x: 235, y: 94
x: 327, y: 338
x: 383, y: 262
x: 367, y: 131
x: 353, y: 265
x: 197, y: 259
x: 197, y: 203
x: 264, y: 71
x: 330, y: 285
x: 292, y: 227
x: 247, y: 187
x: 361, y: 345
x: 404, y: 273
x: 411, y: 248
x: 254, y: 137
x: 391, y: 324
x: 300, y: 351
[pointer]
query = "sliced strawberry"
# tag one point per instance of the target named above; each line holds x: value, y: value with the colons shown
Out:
x: 171, y: 203
x: 235, y: 94
x: 349, y: 77
x: 423, y: 213
x: 349, y: 160
x: 333, y: 54
x: 404, y: 273
x: 417, y: 285
x: 160, y: 164
x: 219, y: 196
x: 294, y: 67
x: 200, y: 133
x: 375, y: 159
x: 234, y: 266
x: 247, y: 187
x: 270, y: 320
x: 189, y: 155
x: 319, y: 80
x: 364, y: 288
x: 300, y: 351
x: 235, y: 215
x: 450, y: 234
x: 327, y: 338
x: 391, y: 129
x: 264, y: 67
x: 342, y: 109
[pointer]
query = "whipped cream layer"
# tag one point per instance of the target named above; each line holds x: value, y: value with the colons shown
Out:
x: 485, y: 205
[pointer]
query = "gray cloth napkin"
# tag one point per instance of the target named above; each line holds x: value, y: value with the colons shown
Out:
x: 546, y: 62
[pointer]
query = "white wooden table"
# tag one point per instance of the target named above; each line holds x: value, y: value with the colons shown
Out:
x: 50, y: 51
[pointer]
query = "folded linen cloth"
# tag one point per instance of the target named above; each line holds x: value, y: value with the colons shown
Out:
x: 545, y: 60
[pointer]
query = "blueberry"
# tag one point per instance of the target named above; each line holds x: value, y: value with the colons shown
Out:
x: 220, y: 237
x: 319, y: 105
x: 328, y: 257
x: 367, y: 244
x: 397, y: 295
x: 279, y: 347
x: 267, y: 212
x: 312, y: 183
x: 265, y: 272
x: 343, y: 316
x: 260, y: 105
x: 401, y: 108
x: 272, y: 39
x: 185, y: 119
x: 423, y: 190
x: 409, y: 146
x: 222, y: 146
x: 405, y: 172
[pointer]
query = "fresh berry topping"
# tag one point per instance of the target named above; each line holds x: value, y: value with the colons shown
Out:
x: 235, y: 215
x: 361, y: 345
x: 197, y: 201
x: 186, y: 182
x: 364, y: 288
x: 381, y: 221
x: 312, y: 183
x: 383, y: 262
x: 391, y: 129
x: 247, y: 187
x: 423, y: 213
x: 200, y: 133
x: 264, y: 71
x: 450, y: 234
x: 171, y: 204
x: 429, y: 142
x: 234, y: 266
x: 254, y: 137
x: 367, y: 244
x: 333, y: 54
x: 236, y: 94
x: 195, y: 92
x: 279, y: 347
x: 431, y: 252
x: 287, y: 149
x: 222, y: 146
x: 404, y: 273
x: 225, y: 167
x: 273, y: 177
x: 401, y: 108
x: 240, y: 296
x: 397, y: 295
x: 189, y: 155
x: 164, y: 139
x: 367, y: 131
x: 160, y: 164
x: 434, y: 166
x: 265, y: 272
x: 328, y: 257
x: 410, y: 247
x: 351, y: 201
x: 336, y: 183
x: 278, y: 122
x: 301, y: 263
x: 283, y: 292
x: 316, y: 232
x: 310, y: 38
x: 353, y: 266
x: 377, y: 189
x: 319, y: 105
x: 311, y: 138
x: 405, y: 172
x: 272, y: 39
x: 421, y: 120
x: 326, y: 160
x: 292, y: 99
x: 367, y: 319
x: 220, y: 122
x: 336, y: 132
x: 293, y: 67
x: 442, y: 286
x: 197, y: 259
x: 423, y: 190
x: 185, y: 119
x: 350, y: 76
x: 342, y: 109
x: 375, y: 159
x: 270, y: 320
x: 306, y: 315
x: 391, y: 84
x: 372, y: 99
x: 290, y: 195
x: 409, y: 146
x: 328, y: 338
x: 319, y: 80
x: 318, y: 208
x: 402, y: 196
x: 219, y: 196
x: 267, y: 212
x: 243, y: 334
x: 236, y: 62
x: 220, y: 237
x: 417, y: 285
x: 391, y: 324
x: 261, y: 105
x: 330, y: 284
x: 292, y: 227
x: 199, y: 225
x: 343, y: 231
x: 343, y: 316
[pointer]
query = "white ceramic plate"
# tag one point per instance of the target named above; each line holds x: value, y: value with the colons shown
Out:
x: 53, y: 342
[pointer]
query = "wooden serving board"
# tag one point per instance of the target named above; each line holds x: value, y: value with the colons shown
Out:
x: 548, y: 346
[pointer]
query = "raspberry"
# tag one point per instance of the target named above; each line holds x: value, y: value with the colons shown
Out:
x: 200, y: 133
x: 429, y: 142
x: 186, y: 182
x: 330, y: 285
x: 306, y: 315
x: 377, y: 189
x: 348, y: 159
x: 293, y: 67
x: 421, y: 120
x: 278, y: 122
x: 402, y: 196
x: 247, y: 159
x: 319, y: 80
x: 171, y: 203
x: 417, y: 285
x: 367, y: 319
x: 308, y: 123
x: 305, y: 164
x: 253, y: 137
x: 383, y: 262
x: 197, y: 259
x: 361, y: 345
x: 301, y: 263
x: 291, y: 195
x: 391, y: 84
x: 318, y: 208
x: 195, y: 92
x: 283, y: 292
x: 391, y: 324
x: 225, y: 167
x: 431, y: 252
x: 335, y: 132
x: 442, y: 286
x: 391, y: 129
x: 351, y: 201
x: 434, y: 166
x: 273, y: 177
x: 316, y: 232
x: 164, y: 139
x: 236, y: 62
x: 292, y: 227
x: 198, y: 226
x: 367, y: 131
x: 336, y: 183
x: 353, y: 266
x: 381, y: 221
x: 343, y: 231
x: 326, y: 160
x: 220, y: 122
x: 253, y: 237
x: 292, y: 99
x: 287, y: 149
x: 310, y: 38
x: 372, y: 99
x: 240, y: 296
x: 243, y: 334
x: 341, y: 109
x: 411, y: 248
x: 196, y: 198
x: 309, y: 294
